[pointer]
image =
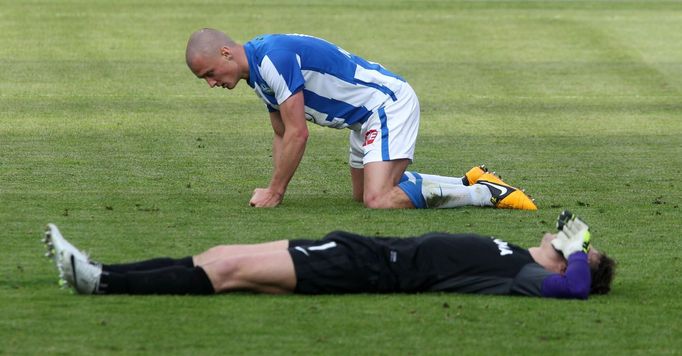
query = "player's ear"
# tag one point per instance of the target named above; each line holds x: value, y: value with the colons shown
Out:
x: 226, y: 52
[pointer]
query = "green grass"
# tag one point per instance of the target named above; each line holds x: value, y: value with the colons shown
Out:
x: 105, y: 132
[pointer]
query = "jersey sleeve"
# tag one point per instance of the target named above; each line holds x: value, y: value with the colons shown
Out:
x: 529, y: 280
x: 575, y: 283
x: 281, y: 70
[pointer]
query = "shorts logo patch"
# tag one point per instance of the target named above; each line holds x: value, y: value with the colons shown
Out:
x: 370, y: 136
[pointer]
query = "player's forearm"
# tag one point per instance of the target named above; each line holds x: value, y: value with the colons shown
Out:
x: 277, y: 143
x: 287, y: 158
x: 575, y: 283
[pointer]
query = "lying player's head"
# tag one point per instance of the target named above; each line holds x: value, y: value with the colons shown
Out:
x: 603, y: 267
x: 603, y: 270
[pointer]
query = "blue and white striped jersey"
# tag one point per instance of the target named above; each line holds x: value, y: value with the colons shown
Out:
x: 340, y: 89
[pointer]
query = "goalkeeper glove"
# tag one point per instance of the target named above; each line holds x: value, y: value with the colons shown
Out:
x: 573, y: 235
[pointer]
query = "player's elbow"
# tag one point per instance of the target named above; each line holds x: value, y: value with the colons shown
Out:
x: 579, y: 291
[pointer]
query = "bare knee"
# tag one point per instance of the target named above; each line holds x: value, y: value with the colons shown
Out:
x: 394, y: 198
x: 224, y: 274
x: 376, y: 201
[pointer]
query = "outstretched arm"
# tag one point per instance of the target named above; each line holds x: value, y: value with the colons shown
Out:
x: 291, y: 136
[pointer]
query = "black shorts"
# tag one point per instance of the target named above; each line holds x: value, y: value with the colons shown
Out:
x: 339, y: 263
x: 343, y: 262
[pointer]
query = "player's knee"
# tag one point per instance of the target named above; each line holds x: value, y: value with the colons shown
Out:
x: 376, y: 201
x: 226, y: 275
x: 393, y: 198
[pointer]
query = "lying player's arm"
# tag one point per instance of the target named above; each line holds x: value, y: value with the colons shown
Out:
x: 573, y: 241
x: 291, y: 135
x: 575, y: 283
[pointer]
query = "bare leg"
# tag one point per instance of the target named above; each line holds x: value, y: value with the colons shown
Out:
x: 380, y: 189
x: 266, y: 272
x: 226, y: 251
x: 357, y: 176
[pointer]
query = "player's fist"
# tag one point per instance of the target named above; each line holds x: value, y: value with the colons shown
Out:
x: 265, y: 198
x: 573, y: 236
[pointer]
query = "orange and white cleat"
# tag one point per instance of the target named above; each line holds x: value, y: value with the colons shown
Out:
x: 504, y: 195
x: 473, y: 174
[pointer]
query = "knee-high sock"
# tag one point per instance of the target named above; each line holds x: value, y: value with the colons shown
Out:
x: 167, y: 280
x: 436, y: 178
x: 146, y: 265
x: 426, y: 192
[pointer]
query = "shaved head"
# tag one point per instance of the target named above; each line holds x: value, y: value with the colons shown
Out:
x: 206, y: 43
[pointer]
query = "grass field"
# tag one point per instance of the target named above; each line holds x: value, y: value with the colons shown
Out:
x: 105, y: 132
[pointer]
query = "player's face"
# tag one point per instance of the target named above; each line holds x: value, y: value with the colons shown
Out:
x: 218, y: 71
x: 593, y: 257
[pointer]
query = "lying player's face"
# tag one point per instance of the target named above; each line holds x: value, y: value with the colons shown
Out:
x: 593, y: 257
x: 218, y: 71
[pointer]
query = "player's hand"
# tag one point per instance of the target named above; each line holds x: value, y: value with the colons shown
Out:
x: 573, y: 236
x: 265, y: 198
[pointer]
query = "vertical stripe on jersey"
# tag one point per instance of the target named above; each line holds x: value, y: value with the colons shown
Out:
x: 384, y: 135
x: 275, y: 80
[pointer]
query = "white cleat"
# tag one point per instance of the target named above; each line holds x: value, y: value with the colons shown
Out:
x: 58, y: 248
x: 80, y: 273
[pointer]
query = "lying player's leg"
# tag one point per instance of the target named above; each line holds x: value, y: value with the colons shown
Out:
x: 222, y: 252
x: 267, y: 272
x: 273, y: 273
x: 208, y: 256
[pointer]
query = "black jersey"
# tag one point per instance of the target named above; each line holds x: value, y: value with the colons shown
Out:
x: 344, y: 262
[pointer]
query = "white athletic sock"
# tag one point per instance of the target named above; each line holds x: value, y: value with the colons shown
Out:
x: 442, y: 179
x: 441, y: 195
x: 425, y: 191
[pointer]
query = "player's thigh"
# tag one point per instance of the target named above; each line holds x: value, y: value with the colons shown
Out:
x: 267, y: 272
x: 220, y: 252
x: 390, y: 133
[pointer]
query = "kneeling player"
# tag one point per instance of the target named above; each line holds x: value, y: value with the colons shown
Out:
x: 562, y: 266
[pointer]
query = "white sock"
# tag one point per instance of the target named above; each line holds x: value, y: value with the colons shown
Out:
x: 442, y: 195
x: 442, y: 179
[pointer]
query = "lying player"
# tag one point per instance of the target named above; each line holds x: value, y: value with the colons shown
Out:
x: 563, y: 266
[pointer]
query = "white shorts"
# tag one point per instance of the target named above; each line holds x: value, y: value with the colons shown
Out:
x: 390, y: 133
